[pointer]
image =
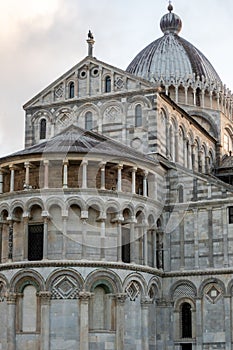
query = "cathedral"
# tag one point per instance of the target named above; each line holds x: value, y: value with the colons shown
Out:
x: 116, y: 219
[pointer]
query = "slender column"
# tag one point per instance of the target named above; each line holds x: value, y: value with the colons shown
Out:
x: 196, y: 242
x: 25, y: 224
x: 154, y: 245
x: 132, y: 239
x: 119, y: 168
x: 1, y: 182
x: 12, y: 179
x: 211, y: 99
x: 45, y: 215
x: 176, y: 146
x: 102, y: 236
x: 120, y: 219
x: 84, y: 298
x: 225, y: 236
x: 194, y: 97
x: 46, y: 173
x: 186, y: 95
x: 120, y: 321
x: 64, y: 240
x: 10, y: 239
x: 145, y: 183
x: 11, y: 332
x: 102, y: 169
x: 145, y: 303
x: 27, y: 174
x: 227, y: 304
x: 134, y: 180
x: 1, y: 226
x: 84, y: 179
x: 199, y: 331
x: 65, y: 173
x: 145, y: 242
x: 45, y: 306
x: 84, y: 217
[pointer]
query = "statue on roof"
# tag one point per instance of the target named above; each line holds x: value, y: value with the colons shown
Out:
x: 90, y: 35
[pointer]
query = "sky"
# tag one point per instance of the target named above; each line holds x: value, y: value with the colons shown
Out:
x: 42, y: 39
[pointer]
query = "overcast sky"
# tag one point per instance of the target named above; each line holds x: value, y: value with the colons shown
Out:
x: 41, y: 39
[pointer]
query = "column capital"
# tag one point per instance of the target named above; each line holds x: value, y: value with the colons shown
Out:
x: 84, y: 162
x: 65, y: 161
x: 45, y: 297
x: 120, y: 166
x: 121, y: 298
x: 146, y: 301
x: 84, y: 214
x: 46, y: 161
x: 145, y: 173
x: 134, y: 169
x: 84, y: 296
x: 11, y: 298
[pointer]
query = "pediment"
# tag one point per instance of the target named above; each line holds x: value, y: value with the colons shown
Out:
x: 89, y: 80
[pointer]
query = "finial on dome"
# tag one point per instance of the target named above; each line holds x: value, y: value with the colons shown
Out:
x: 170, y: 7
x: 90, y: 41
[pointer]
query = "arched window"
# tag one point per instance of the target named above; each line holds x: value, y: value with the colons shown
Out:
x: 71, y: 90
x: 186, y: 320
x: 125, y: 248
x: 88, y: 121
x: 35, y: 242
x: 108, y: 84
x: 138, y: 115
x: 43, y: 129
x: 102, y: 310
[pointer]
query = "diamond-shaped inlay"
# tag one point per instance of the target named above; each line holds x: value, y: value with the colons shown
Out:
x: 213, y: 293
x: 119, y: 83
x: 64, y: 288
x: 59, y: 91
x: 112, y: 113
x: 133, y: 290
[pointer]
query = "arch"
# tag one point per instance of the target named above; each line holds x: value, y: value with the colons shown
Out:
x: 34, y: 201
x: 129, y: 206
x: 96, y: 203
x: 26, y: 277
x: 55, y: 201
x: 203, y: 117
x: 109, y: 278
x: 144, y: 101
x: 187, y: 289
x: 17, y: 204
x: 157, y: 286
x: 42, y: 113
x: 112, y: 204
x: 137, y: 278
x: 76, y: 201
x: 64, y: 272
x: 210, y: 281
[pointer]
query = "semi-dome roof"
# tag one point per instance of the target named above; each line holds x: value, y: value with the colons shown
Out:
x: 172, y: 57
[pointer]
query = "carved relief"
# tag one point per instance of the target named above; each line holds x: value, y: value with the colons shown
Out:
x: 65, y: 287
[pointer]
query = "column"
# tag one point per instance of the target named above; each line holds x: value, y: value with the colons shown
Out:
x: 120, y: 320
x: 102, y: 236
x: 65, y: 173
x: 64, y: 236
x: 84, y: 217
x: 45, y: 306
x: 154, y: 245
x: 1, y: 182
x: 196, y: 241
x: 45, y: 215
x: 12, y: 179
x: 186, y: 94
x: 120, y: 219
x: 84, y: 178
x: 84, y: 298
x: 10, y: 239
x: 25, y: 224
x: 145, y: 303
x: 11, y: 332
x: 46, y: 173
x: 119, y: 168
x: 199, y: 330
x: 134, y: 180
x: 225, y: 235
x: 145, y: 243
x: 227, y: 304
x: 102, y: 170
x: 132, y: 239
x: 177, y: 146
x: 27, y: 174
x: 145, y: 183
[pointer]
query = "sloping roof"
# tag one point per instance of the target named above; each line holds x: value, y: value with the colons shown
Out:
x: 77, y: 140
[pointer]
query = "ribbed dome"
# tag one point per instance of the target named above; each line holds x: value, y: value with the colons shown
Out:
x: 172, y: 57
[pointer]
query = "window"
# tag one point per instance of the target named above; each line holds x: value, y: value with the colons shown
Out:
x: 88, y: 121
x: 108, y: 84
x: 35, y: 242
x: 230, y: 215
x: 43, y: 129
x: 226, y: 143
x: 71, y: 90
x: 186, y: 321
x: 138, y: 115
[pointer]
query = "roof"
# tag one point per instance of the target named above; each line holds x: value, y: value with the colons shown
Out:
x: 77, y: 140
x: 171, y: 56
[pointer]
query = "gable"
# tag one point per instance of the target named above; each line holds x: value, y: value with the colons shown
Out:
x: 88, y: 78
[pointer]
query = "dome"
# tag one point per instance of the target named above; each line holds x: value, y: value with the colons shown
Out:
x: 172, y: 57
